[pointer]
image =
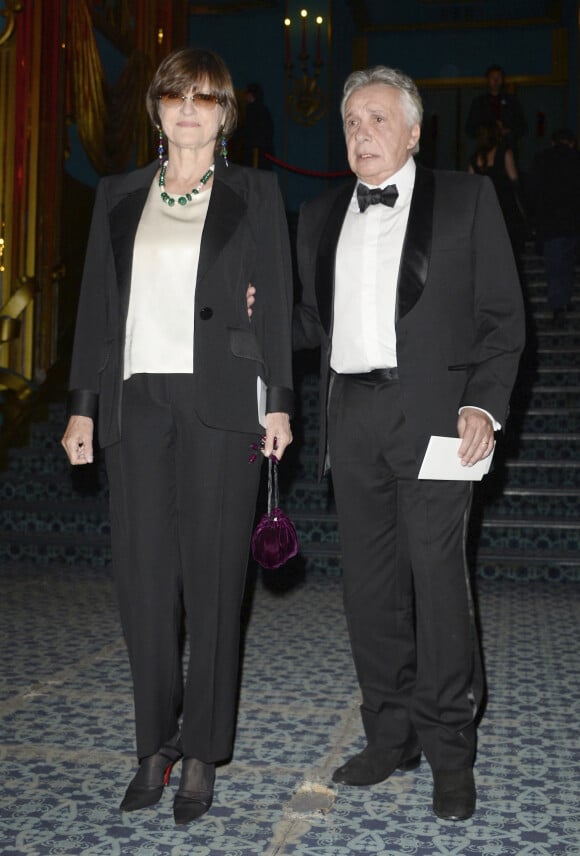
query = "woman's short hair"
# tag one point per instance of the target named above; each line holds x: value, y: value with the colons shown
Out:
x: 410, y: 98
x: 187, y: 67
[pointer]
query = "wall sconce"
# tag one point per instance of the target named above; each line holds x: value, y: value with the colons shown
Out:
x: 305, y: 101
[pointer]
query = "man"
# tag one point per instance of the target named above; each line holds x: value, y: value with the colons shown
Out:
x: 417, y: 308
x: 257, y: 133
x: 497, y: 106
x: 556, y: 192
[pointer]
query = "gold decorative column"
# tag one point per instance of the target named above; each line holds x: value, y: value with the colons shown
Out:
x: 30, y: 176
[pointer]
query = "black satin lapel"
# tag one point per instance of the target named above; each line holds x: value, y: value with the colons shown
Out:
x: 325, y: 260
x: 417, y: 246
x: 124, y: 220
x: 225, y: 211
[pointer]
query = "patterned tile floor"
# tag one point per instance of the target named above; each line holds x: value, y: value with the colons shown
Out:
x: 66, y: 732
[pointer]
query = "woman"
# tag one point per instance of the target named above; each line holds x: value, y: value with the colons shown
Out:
x: 496, y: 159
x: 166, y: 354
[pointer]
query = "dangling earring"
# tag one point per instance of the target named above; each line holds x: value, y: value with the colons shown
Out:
x: 160, y: 149
x: 224, y: 149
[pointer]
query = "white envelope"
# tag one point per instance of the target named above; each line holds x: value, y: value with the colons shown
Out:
x: 261, y: 391
x: 441, y: 462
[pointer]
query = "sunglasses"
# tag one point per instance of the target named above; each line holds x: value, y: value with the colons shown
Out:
x: 201, y: 99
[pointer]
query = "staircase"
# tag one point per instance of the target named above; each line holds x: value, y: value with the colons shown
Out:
x: 525, y: 522
x: 526, y: 513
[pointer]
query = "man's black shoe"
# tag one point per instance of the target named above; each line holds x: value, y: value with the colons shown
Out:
x: 372, y: 766
x: 453, y: 794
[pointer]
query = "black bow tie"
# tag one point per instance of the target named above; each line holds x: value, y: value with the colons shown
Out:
x: 366, y: 196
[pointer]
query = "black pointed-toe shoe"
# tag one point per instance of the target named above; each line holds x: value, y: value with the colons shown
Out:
x: 195, y: 794
x: 454, y: 794
x: 373, y: 765
x: 146, y: 787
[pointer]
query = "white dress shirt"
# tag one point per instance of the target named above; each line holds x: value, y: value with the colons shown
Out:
x: 368, y: 258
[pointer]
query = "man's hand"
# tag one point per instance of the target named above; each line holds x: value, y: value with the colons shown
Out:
x: 250, y: 298
x: 78, y: 440
x: 278, y: 434
x: 477, y: 438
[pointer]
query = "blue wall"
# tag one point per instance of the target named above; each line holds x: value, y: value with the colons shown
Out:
x: 463, y: 53
x: 253, y: 46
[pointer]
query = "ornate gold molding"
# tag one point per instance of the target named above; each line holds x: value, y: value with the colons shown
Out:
x: 9, y: 13
x: 508, y: 23
x: 557, y: 76
x: 230, y: 8
x: 10, y: 323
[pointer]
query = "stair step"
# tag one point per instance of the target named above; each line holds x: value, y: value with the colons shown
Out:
x: 564, y: 337
x: 76, y: 485
x: 316, y: 528
x: 55, y: 549
x: 546, y: 504
x: 550, y: 420
x: 62, y: 519
x: 543, y: 320
x: 546, y: 447
x: 541, y: 474
x: 547, y: 396
x: 308, y: 496
x: 32, y: 460
x: 554, y: 359
x: 44, y: 436
x: 549, y: 566
x: 529, y: 534
x: 307, y: 466
x: 567, y: 377
x: 538, y: 296
x: 490, y: 564
x: 35, y: 489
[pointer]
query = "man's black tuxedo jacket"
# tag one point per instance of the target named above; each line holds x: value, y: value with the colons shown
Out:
x: 459, y: 312
x: 244, y: 240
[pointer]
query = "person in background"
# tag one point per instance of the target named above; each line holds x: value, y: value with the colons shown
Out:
x: 495, y: 158
x: 165, y: 370
x: 256, y: 135
x: 555, y: 184
x: 497, y: 106
x: 411, y: 291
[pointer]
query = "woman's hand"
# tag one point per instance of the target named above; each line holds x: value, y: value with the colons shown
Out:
x: 78, y: 440
x: 278, y: 434
x: 250, y: 298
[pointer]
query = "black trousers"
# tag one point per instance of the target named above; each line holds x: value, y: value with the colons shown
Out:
x: 406, y: 586
x: 182, y: 500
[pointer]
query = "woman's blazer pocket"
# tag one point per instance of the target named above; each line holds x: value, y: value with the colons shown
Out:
x: 243, y: 343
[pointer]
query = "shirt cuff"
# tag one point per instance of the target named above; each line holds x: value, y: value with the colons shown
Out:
x: 494, y: 422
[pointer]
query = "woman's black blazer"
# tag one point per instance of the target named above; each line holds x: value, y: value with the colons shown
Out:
x: 244, y: 240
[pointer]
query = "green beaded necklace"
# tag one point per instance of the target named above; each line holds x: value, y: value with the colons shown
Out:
x: 187, y: 197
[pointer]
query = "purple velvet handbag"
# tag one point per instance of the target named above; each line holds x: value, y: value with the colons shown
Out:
x: 274, y: 541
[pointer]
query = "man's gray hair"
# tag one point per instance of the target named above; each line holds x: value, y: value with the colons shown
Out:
x: 410, y: 98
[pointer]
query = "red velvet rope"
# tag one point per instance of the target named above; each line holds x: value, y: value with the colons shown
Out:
x: 313, y: 172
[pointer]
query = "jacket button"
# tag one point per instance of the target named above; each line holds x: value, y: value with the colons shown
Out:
x: 206, y: 313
